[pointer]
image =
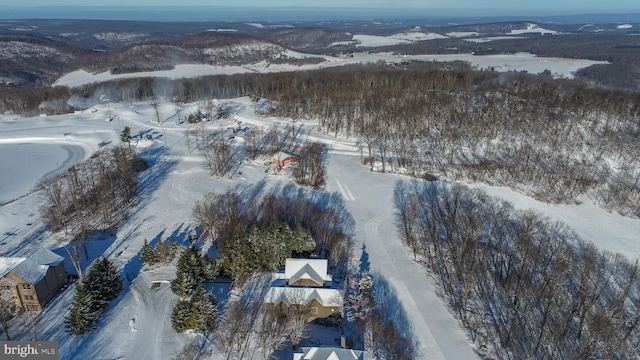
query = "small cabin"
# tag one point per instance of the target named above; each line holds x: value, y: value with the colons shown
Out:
x: 283, y: 159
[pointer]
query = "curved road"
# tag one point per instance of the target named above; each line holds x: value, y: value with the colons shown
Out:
x: 75, y: 154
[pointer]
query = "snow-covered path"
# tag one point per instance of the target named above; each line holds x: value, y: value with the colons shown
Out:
x: 369, y: 198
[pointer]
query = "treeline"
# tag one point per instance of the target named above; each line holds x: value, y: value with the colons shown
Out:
x: 92, y: 195
x: 54, y: 99
x: 526, y: 287
x: 261, y: 249
x: 27, y: 101
x: 322, y: 215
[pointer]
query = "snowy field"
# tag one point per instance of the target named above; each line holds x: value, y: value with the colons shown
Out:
x: 402, y: 38
x: 517, y: 62
x: 136, y: 326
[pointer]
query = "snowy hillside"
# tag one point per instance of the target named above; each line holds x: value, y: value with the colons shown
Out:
x: 559, y: 67
x: 136, y: 326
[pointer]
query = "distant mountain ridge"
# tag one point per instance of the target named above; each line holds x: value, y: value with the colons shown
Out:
x: 37, y: 52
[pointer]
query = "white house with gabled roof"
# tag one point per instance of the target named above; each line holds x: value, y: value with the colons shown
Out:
x: 329, y: 353
x: 306, y: 287
x: 306, y: 272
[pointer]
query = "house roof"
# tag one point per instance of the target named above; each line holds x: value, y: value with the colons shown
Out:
x: 46, y: 257
x: 30, y: 270
x: 8, y: 263
x: 281, y: 155
x: 33, y: 268
x: 302, y: 296
x: 329, y: 353
x: 311, y: 269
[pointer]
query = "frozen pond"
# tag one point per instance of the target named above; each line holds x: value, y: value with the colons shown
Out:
x: 24, y: 165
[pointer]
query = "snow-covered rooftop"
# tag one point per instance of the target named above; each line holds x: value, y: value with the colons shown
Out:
x: 8, y: 263
x: 308, y: 269
x: 46, y: 257
x: 281, y: 155
x: 31, y: 269
x: 329, y: 353
x: 302, y: 296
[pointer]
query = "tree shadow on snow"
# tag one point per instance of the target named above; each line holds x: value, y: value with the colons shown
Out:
x: 160, y: 165
x: 386, y: 297
x: 365, y: 264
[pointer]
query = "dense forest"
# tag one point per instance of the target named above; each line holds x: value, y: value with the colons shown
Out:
x: 523, y: 286
x: 554, y: 140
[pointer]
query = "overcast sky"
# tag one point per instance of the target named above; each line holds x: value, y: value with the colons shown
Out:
x: 518, y: 6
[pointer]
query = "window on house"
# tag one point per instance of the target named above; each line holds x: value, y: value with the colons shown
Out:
x: 314, y: 310
x: 26, y: 286
x: 6, y: 287
x: 28, y: 297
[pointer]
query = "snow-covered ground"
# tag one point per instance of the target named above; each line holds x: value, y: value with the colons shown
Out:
x: 559, y: 67
x: 532, y: 29
x: 401, y: 38
x: 136, y: 325
x: 493, y: 38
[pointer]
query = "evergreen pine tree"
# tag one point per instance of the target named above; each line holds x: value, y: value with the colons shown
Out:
x: 103, y: 282
x: 235, y: 256
x: 361, y: 301
x: 180, y: 315
x: 365, y: 288
x: 283, y: 239
x: 147, y: 255
x: 204, y: 310
x: 81, y: 317
x: 301, y: 240
x: 198, y: 313
x: 191, y: 270
x: 125, y: 134
x: 181, y: 284
x: 262, y: 250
